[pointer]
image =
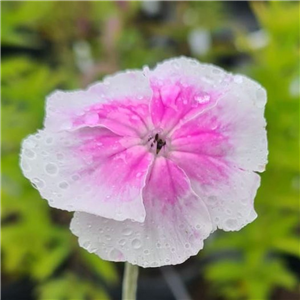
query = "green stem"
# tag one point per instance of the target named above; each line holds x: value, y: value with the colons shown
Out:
x: 130, y: 281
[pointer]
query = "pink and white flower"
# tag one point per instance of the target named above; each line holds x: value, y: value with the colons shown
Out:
x: 152, y: 161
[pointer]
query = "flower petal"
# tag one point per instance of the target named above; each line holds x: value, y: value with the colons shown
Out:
x: 91, y: 170
x: 176, y: 224
x: 232, y: 130
x: 227, y: 191
x: 119, y: 103
x: 183, y: 88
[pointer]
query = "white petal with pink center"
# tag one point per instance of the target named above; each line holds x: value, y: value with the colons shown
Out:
x: 176, y: 223
x: 102, y: 104
x: 91, y: 170
x: 152, y: 162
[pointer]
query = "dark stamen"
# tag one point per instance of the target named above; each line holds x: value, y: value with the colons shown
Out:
x: 160, y: 144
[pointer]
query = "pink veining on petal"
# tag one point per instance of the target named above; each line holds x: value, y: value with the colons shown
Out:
x: 118, y: 164
x: 173, y: 103
x: 122, y: 117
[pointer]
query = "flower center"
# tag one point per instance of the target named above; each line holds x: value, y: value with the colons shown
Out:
x: 156, y: 142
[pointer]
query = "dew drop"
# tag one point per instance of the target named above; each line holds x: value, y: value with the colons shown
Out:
x: 38, y: 183
x: 228, y: 211
x: 175, y: 64
x: 59, y: 156
x: 127, y: 231
x: 25, y: 166
x: 108, y: 237
x: 212, y: 200
x: 231, y: 223
x: 187, y: 245
x: 122, y: 242
x: 146, y: 251
x: 86, y: 245
x: 115, y: 254
x: 202, y: 98
x: 154, y: 264
x: 49, y: 140
x: 238, y: 79
x: 63, y: 185
x: 51, y: 169
x: 158, y: 245
x: 30, y: 143
x: 75, y: 177
x: 29, y: 153
x: 193, y: 63
x: 216, y: 71
x: 66, y: 125
x: 136, y: 244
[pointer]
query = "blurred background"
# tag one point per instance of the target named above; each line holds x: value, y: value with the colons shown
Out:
x: 68, y: 45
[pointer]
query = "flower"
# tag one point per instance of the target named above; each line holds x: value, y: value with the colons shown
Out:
x: 152, y: 161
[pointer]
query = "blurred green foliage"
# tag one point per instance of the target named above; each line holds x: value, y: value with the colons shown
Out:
x: 49, y: 45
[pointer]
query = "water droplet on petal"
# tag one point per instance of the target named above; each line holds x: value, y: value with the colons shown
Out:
x: 75, y: 177
x: 67, y: 125
x: 29, y: 153
x: 127, y: 231
x: 38, y: 183
x: 203, y: 98
x: 25, y: 166
x: 49, y: 140
x: 238, y: 79
x: 175, y: 65
x: 86, y: 245
x: 122, y: 242
x: 212, y: 200
x: 59, y: 156
x: 231, y: 223
x: 51, y: 169
x: 63, y: 185
x: 136, y: 244
x: 115, y: 255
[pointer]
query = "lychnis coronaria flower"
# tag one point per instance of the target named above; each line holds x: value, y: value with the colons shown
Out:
x: 152, y: 161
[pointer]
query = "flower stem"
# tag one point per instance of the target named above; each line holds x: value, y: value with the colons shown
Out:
x: 130, y: 281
